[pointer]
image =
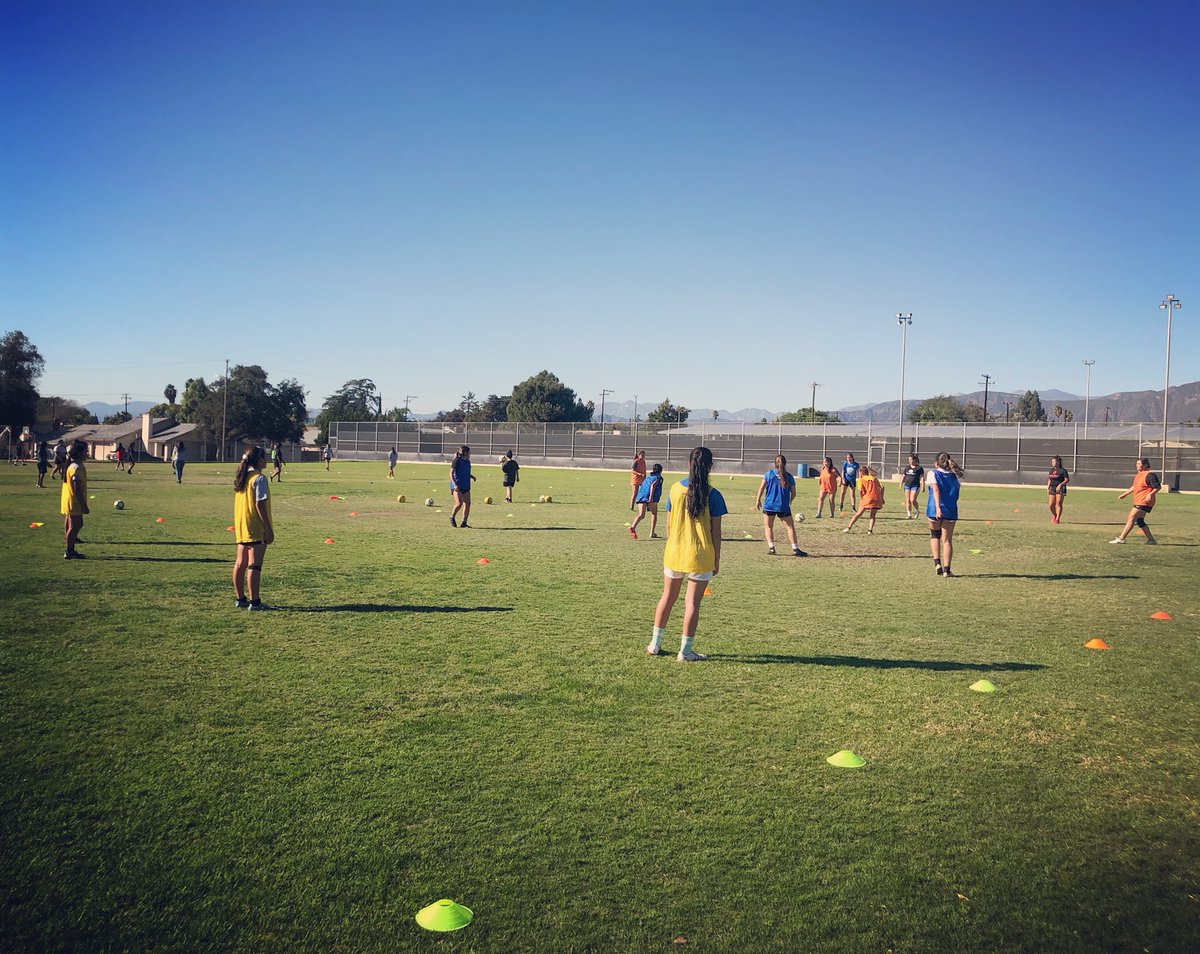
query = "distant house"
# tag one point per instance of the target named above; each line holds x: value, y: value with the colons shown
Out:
x: 152, y: 438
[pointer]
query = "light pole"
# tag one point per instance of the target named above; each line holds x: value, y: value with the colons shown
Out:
x: 635, y: 409
x: 1087, y: 395
x: 604, y: 392
x: 813, y: 414
x: 1168, y: 304
x: 407, y: 398
x: 903, y: 320
x: 224, y: 409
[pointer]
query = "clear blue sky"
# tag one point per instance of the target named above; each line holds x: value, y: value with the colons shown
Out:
x: 719, y: 202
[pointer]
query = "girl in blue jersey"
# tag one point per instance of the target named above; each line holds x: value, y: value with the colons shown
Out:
x: 850, y: 483
x: 460, y: 485
x: 693, y: 550
x: 779, y: 488
x: 942, y: 511
x: 649, y: 493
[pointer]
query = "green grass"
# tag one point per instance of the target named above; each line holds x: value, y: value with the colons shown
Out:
x: 178, y: 775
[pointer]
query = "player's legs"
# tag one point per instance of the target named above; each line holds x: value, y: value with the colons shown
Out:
x: 947, y: 544
x: 241, y: 561
x: 466, y: 502
x: 691, y: 611
x: 653, y: 519
x: 638, y: 519
x: 769, y: 529
x: 254, y: 569
x: 670, y: 593
x: 789, y: 524
x: 871, y: 523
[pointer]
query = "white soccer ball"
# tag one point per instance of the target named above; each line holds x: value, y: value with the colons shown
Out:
x: 119, y: 504
x: 428, y: 501
x: 799, y: 518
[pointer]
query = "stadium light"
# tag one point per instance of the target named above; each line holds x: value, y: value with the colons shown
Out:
x: 1168, y: 304
x: 1087, y: 394
x: 903, y: 320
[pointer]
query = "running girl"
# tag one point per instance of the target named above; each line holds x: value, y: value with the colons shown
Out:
x: 849, y: 482
x: 693, y: 550
x: 648, y: 496
x: 392, y: 458
x: 637, y: 475
x: 1145, y: 488
x: 74, y: 499
x: 827, y: 479
x: 870, y: 499
x: 510, y: 468
x: 942, y: 510
x: 253, y: 528
x: 913, y: 483
x: 120, y: 455
x: 780, y: 489
x: 277, y: 463
x: 1056, y: 488
x: 460, y: 484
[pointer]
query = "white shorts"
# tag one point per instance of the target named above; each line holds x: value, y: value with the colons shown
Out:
x: 679, y: 575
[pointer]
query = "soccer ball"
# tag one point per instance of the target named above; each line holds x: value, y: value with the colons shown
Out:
x: 400, y: 499
x: 542, y: 498
x: 119, y: 504
x: 487, y: 500
x: 799, y: 518
x: 428, y: 501
x: 549, y: 499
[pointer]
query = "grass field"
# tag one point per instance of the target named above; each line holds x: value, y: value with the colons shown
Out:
x: 412, y: 725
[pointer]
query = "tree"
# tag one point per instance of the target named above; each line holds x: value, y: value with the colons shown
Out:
x: 56, y: 412
x: 468, y: 405
x: 940, y: 409
x: 805, y: 416
x: 455, y: 416
x: 169, y: 393
x: 1058, y: 411
x: 195, y: 394
x: 668, y: 413
x: 252, y: 408
x: 1068, y: 416
x: 353, y: 401
x: 1029, y: 407
x: 973, y: 413
x: 120, y: 417
x: 20, y: 367
x: 494, y: 409
x: 396, y: 415
x: 544, y: 397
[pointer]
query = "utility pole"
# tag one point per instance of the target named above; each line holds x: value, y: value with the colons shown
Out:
x: 1168, y: 304
x: 635, y: 409
x: 224, y: 408
x: 407, y: 398
x: 1107, y: 411
x: 903, y: 320
x: 987, y: 380
x: 1007, y: 408
x: 1087, y: 395
x: 604, y: 392
x: 125, y: 398
x: 813, y: 413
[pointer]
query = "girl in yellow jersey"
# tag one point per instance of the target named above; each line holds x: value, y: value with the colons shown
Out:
x: 253, y: 527
x: 694, y: 512
x: 74, y: 499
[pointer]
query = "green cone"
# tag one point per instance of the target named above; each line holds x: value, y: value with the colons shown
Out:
x: 983, y: 686
x: 444, y: 915
x: 846, y: 759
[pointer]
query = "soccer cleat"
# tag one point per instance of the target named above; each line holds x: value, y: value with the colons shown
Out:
x: 243, y: 603
x: 633, y: 533
x: 796, y: 551
x: 453, y: 522
x: 770, y: 551
x: 651, y: 651
x: 845, y: 530
x: 1152, y: 542
x: 938, y: 567
x: 1117, y: 540
x: 818, y: 516
x: 464, y: 524
x: 690, y: 656
x: 655, y: 536
x: 870, y: 533
x: 259, y: 607
x: 946, y: 573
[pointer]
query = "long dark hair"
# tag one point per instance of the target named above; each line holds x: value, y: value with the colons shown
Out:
x: 700, y: 462
x: 946, y: 462
x: 829, y: 463
x: 781, y: 468
x: 251, y: 460
x: 463, y: 451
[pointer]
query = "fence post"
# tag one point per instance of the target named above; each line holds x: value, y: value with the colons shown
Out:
x: 742, y: 452
x: 668, y: 444
x: 1018, y: 467
x: 868, y: 442
x: 824, y: 434
x: 780, y: 448
x: 964, y: 450
x: 1139, y: 447
x: 545, y: 437
x: 916, y: 438
x: 1075, y: 450
x: 574, y: 428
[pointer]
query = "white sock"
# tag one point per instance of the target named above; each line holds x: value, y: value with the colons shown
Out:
x: 687, y: 645
x: 656, y: 639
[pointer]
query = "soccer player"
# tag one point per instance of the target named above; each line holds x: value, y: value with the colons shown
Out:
x: 779, y: 488
x: 74, y: 499
x: 637, y: 474
x: 511, y: 469
x: 693, y: 550
x: 849, y: 482
x: 460, y: 484
x: 870, y: 500
x: 1145, y: 488
x: 913, y: 483
x: 827, y: 479
x: 648, y: 496
x: 942, y: 510
x: 392, y: 458
x: 1056, y: 488
x: 254, y: 529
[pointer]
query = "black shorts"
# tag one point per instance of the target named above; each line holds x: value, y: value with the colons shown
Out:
x: 1143, y: 508
x: 250, y: 543
x: 1059, y: 491
x: 777, y: 513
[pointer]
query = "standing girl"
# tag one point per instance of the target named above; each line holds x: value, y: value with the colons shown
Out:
x: 827, y: 479
x: 327, y: 455
x: 1145, y: 488
x: 253, y: 527
x: 637, y: 474
x: 120, y: 454
x: 43, y: 462
x: 460, y: 484
x: 510, y: 468
x: 780, y: 489
x: 942, y: 510
x: 392, y: 458
x: 693, y: 550
x: 178, y: 459
x: 913, y: 483
x: 74, y: 499
x: 277, y: 463
x: 870, y: 499
x: 648, y: 496
x: 849, y: 482
x: 1056, y: 488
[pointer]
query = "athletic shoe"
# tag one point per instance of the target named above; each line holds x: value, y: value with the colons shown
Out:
x: 1152, y: 542
x: 464, y: 525
x: 633, y: 533
x: 870, y: 533
x: 259, y: 607
x: 845, y: 530
x: 796, y: 551
x: 946, y: 573
x: 1117, y: 540
x: 453, y: 522
x: 655, y: 536
x: 818, y: 516
x: 938, y: 567
x: 770, y: 551
x: 651, y: 651
x: 243, y: 603
x: 690, y: 656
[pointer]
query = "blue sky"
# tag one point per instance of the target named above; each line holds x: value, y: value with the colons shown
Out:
x: 716, y: 202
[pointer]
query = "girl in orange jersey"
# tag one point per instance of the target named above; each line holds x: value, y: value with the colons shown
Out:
x: 828, y: 481
x: 1145, y: 488
x: 870, y: 499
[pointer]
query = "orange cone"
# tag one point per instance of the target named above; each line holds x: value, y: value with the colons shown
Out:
x: 354, y: 513
x: 231, y: 529
x: 160, y: 519
x: 988, y: 522
x: 708, y: 591
x: 483, y: 560
x: 1016, y: 510
x: 1160, y: 615
x: 329, y: 540
x: 1096, y: 644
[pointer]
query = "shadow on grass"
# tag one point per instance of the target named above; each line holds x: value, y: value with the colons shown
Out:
x: 864, y: 662
x: 1048, y: 576
x: 869, y: 556
x: 394, y: 608
x: 164, y: 543
x: 146, y: 559
x: 528, y: 529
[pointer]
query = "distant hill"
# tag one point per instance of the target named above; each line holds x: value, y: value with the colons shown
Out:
x: 102, y: 410
x: 1129, y: 406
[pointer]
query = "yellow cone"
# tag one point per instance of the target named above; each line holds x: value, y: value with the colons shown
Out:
x: 444, y: 915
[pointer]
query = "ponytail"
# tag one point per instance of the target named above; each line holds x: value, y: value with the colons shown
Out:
x: 781, y: 469
x: 946, y: 462
x: 700, y: 462
x: 249, y: 461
